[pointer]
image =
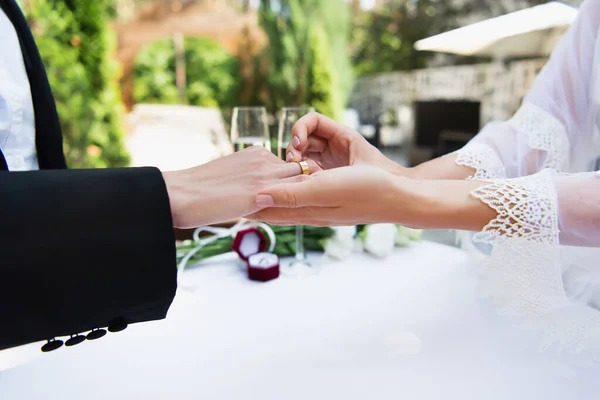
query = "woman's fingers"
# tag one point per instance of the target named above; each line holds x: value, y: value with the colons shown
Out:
x: 286, y: 195
x: 313, y: 144
x: 301, y: 192
x: 313, y: 124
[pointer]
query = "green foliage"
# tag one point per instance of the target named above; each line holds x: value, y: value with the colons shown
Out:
x: 305, y: 63
x: 307, y: 58
x: 337, y: 28
x: 383, y: 40
x: 287, y: 54
x: 154, y: 74
x: 212, y: 74
x: 76, y: 45
x: 321, y: 76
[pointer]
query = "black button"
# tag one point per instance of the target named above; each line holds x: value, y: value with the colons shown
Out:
x: 75, y: 340
x: 52, y: 345
x: 96, y: 334
x: 117, y: 325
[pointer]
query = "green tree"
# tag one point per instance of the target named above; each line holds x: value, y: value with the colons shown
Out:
x: 287, y: 54
x: 76, y: 45
x: 321, y: 78
x: 337, y: 28
x: 383, y: 40
x: 306, y: 61
x: 212, y: 74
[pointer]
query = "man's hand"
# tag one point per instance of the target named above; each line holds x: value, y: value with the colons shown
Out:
x: 226, y: 188
x: 333, y: 145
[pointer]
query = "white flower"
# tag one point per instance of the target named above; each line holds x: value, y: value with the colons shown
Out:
x: 379, y: 239
x: 336, y: 249
x: 341, y: 244
x: 345, y: 233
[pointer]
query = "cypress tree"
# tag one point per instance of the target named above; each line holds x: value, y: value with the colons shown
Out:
x: 307, y: 56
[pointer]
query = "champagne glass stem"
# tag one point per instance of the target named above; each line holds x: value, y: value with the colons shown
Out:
x: 300, y: 253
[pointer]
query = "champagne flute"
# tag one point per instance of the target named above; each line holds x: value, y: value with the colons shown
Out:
x: 249, y: 127
x: 288, y: 117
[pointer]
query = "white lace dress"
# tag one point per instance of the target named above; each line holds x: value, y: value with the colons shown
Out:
x: 544, y: 262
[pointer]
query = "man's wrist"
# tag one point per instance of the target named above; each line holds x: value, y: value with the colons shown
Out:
x: 174, y: 192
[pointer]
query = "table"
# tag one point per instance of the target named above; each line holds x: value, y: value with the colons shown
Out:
x: 409, y: 327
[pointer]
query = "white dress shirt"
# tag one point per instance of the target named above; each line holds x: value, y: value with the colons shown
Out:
x: 17, y: 122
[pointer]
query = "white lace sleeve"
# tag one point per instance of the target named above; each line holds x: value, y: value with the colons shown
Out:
x: 557, y: 125
x: 544, y: 245
x: 483, y: 159
x: 552, y: 287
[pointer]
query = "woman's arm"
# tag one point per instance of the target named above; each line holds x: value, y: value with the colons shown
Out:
x: 444, y: 167
x: 529, y: 274
x: 363, y: 194
x: 563, y: 209
x: 440, y: 204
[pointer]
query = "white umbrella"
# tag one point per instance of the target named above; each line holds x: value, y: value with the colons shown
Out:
x: 526, y: 33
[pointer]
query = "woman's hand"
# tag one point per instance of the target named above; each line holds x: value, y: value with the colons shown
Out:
x: 333, y: 145
x: 226, y: 188
x: 341, y: 196
x: 363, y: 195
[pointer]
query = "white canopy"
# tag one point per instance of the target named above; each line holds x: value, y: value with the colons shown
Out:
x: 530, y: 32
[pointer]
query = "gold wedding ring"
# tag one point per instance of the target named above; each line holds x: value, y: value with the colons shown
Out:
x: 304, y: 166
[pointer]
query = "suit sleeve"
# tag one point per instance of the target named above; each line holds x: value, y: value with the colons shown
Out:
x: 83, y: 249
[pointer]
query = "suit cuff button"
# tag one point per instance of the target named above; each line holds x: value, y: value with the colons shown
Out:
x: 96, y: 334
x: 117, y: 325
x: 75, y: 340
x: 52, y: 345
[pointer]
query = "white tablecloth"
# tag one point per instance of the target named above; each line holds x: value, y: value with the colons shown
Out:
x: 409, y: 327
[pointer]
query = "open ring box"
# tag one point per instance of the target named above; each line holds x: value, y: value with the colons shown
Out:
x: 251, y: 245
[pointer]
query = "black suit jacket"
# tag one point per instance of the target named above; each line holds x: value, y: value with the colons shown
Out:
x: 79, y: 249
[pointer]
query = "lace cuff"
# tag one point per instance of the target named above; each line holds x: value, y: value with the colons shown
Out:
x: 513, y: 148
x: 544, y: 133
x: 526, y: 209
x: 483, y: 159
x: 523, y: 274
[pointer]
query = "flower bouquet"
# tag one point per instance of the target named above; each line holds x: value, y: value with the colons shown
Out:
x: 337, y: 243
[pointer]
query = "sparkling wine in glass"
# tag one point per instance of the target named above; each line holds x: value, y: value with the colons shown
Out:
x: 287, y: 118
x: 249, y: 127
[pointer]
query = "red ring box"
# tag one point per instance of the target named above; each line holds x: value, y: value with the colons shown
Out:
x: 263, y: 267
x: 251, y: 244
